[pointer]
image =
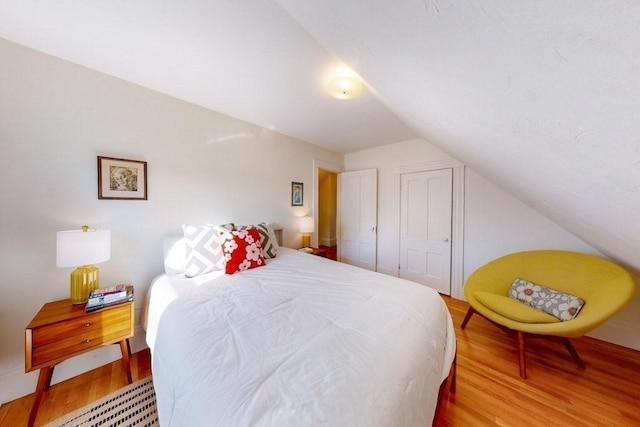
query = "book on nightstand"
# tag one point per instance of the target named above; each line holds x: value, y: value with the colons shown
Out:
x: 106, y: 295
x: 107, y: 299
x: 111, y: 290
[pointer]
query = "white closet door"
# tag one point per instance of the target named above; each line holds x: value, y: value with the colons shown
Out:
x: 425, y: 228
x: 358, y: 217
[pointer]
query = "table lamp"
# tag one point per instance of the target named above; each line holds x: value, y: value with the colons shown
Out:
x: 307, y: 226
x: 81, y: 248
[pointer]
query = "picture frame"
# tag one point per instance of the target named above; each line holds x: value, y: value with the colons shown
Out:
x: 121, y: 179
x: 297, y: 194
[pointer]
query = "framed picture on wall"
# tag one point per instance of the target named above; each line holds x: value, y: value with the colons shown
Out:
x: 297, y: 193
x: 121, y: 179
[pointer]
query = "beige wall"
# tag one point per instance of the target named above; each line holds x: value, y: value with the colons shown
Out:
x: 203, y: 167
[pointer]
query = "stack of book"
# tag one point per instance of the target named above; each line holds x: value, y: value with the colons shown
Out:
x: 106, y: 297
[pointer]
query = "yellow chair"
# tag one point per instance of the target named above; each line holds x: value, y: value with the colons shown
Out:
x: 604, y: 286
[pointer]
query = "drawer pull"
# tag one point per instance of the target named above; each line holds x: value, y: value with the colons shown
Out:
x: 86, y: 325
x: 87, y: 341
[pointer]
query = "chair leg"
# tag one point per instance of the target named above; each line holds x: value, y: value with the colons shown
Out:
x: 573, y: 353
x: 467, y: 316
x: 521, y: 355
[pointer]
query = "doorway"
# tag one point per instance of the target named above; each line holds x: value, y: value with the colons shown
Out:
x: 328, y: 212
x: 326, y: 208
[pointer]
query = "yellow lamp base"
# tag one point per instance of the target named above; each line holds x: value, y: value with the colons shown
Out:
x: 84, y: 279
x: 306, y: 240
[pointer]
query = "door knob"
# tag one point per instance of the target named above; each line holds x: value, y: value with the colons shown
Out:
x: 446, y: 239
x: 372, y: 229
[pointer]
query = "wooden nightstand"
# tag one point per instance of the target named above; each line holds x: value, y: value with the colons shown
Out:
x: 315, y: 251
x: 320, y: 252
x: 62, y: 330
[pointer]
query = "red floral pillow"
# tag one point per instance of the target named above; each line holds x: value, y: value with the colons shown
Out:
x: 242, y: 250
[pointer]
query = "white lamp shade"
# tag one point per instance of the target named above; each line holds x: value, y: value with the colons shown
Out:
x: 76, y: 247
x: 307, y: 224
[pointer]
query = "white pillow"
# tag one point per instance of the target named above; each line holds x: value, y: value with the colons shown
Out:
x: 174, y: 251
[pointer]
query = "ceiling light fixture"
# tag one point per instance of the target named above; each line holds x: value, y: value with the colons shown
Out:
x: 345, y: 87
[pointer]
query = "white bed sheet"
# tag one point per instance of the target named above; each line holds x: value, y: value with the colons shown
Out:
x: 301, y: 341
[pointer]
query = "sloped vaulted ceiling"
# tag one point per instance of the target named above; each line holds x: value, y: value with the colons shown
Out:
x: 244, y: 58
x: 541, y: 97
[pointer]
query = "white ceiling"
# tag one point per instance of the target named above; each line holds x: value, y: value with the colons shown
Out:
x: 541, y: 97
x: 246, y: 59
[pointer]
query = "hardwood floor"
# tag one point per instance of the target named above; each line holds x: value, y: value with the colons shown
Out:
x: 76, y: 392
x: 489, y: 391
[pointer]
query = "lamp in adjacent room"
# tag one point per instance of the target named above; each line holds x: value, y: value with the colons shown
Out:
x: 307, y: 226
x: 81, y: 249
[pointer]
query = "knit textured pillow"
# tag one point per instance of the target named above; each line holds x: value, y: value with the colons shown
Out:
x: 204, y: 251
x: 563, y: 306
x: 242, y: 250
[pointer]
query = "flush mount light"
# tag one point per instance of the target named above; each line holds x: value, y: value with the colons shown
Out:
x: 345, y: 87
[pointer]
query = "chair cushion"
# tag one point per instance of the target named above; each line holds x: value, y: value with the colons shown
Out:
x: 513, y: 309
x: 556, y: 303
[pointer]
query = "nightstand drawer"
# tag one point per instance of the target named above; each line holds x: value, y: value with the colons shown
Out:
x: 81, y: 325
x: 55, y: 351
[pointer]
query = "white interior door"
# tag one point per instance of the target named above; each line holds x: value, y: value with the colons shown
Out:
x: 425, y: 228
x: 358, y: 217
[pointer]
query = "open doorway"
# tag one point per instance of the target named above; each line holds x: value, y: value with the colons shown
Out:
x: 328, y: 212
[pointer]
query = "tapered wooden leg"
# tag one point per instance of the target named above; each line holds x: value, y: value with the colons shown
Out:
x: 573, y: 353
x: 126, y: 358
x: 44, y: 379
x: 467, y: 316
x: 521, y: 355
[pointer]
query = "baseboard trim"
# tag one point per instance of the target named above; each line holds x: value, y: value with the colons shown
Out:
x: 618, y: 333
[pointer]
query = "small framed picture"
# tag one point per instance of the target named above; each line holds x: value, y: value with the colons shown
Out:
x: 121, y: 179
x: 297, y: 193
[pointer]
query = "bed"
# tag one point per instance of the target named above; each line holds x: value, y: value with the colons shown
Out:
x: 302, y: 340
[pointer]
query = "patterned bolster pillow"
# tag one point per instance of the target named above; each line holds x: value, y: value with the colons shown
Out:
x: 563, y: 306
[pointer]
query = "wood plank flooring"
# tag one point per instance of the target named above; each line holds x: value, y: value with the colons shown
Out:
x: 489, y: 389
x: 75, y: 392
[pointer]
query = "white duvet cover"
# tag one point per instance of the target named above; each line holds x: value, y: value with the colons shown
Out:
x: 302, y: 341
